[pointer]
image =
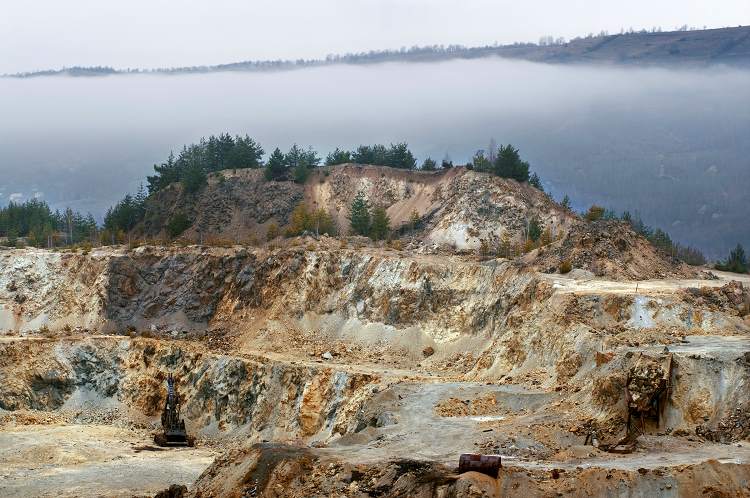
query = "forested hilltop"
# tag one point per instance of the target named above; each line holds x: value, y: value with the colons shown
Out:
x: 206, y: 174
x: 684, y: 46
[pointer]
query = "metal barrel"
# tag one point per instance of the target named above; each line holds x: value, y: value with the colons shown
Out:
x: 486, y: 464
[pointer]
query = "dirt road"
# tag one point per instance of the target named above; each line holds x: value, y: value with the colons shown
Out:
x: 564, y: 284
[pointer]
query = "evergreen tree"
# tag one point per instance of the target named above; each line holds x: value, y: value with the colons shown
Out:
x: 363, y: 155
x: 535, y: 182
x: 429, y: 165
x: 399, y: 156
x: 276, y: 166
x: 311, y: 158
x: 736, y: 262
x: 447, y: 163
x: 295, y: 157
x: 359, y: 215
x: 535, y: 229
x: 300, y: 173
x: 480, y: 162
x: 510, y: 165
x: 247, y: 153
x: 193, y: 177
x: 380, y: 226
x: 338, y: 156
x: 566, y: 202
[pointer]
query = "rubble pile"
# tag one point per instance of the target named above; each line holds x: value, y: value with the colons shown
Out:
x: 646, y: 381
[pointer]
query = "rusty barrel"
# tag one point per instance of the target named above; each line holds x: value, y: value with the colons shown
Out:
x: 486, y: 464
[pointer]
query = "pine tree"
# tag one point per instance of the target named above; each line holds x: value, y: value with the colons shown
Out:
x: 381, y: 224
x: 736, y: 262
x: 535, y: 182
x: 338, y: 156
x: 399, y: 156
x: 480, y: 161
x: 565, y: 203
x: 429, y: 164
x: 193, y: 177
x: 535, y: 229
x: 510, y: 165
x: 300, y: 173
x: 276, y: 167
x: 359, y: 215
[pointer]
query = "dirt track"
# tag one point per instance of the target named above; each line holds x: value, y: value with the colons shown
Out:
x: 564, y: 284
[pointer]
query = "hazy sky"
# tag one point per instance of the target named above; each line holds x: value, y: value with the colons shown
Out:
x: 39, y: 34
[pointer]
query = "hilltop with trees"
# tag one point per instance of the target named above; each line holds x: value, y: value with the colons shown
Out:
x: 196, y: 194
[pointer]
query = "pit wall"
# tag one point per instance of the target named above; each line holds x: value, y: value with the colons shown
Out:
x: 193, y: 288
x: 220, y: 394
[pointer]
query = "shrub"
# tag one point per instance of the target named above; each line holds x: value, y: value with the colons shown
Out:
x: 272, y: 232
x: 484, y: 248
x: 565, y: 266
x: 595, y: 213
x: 535, y: 229
x: 177, y: 224
x: 736, y: 262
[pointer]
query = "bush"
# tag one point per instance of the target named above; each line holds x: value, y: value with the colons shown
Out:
x: 594, y: 213
x: 177, y: 224
x: 396, y: 244
x: 272, y: 232
x: 535, y: 229
x: 565, y: 266
x: 736, y: 262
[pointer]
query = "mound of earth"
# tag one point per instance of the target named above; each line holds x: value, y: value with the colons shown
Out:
x: 609, y: 248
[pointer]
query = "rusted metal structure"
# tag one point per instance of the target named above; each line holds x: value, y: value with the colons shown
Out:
x: 486, y: 464
x: 174, y: 433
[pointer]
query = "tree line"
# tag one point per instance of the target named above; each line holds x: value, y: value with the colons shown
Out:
x: 35, y: 223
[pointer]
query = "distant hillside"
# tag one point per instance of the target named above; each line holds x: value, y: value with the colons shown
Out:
x: 698, y: 47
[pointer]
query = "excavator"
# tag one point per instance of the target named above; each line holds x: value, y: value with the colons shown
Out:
x: 174, y: 433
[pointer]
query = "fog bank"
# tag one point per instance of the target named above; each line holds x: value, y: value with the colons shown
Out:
x: 672, y: 144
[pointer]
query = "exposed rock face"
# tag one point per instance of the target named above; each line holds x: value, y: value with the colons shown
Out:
x: 234, y: 204
x: 261, y: 399
x: 608, y: 248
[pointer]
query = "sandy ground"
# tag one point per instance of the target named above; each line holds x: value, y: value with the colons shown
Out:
x: 422, y: 433
x: 92, y: 460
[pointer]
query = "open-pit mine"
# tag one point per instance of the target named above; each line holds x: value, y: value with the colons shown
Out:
x: 319, y: 366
